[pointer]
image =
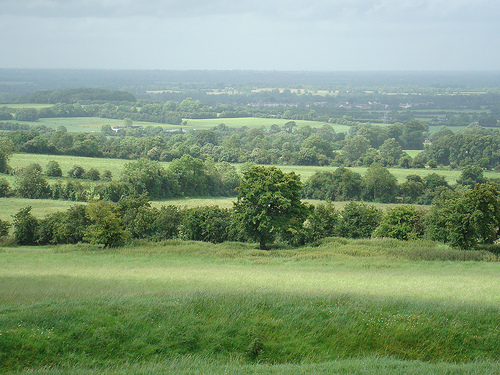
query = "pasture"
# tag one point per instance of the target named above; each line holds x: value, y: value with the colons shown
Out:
x: 94, y: 124
x: 87, y: 124
x: 346, y: 306
x: 254, y: 122
x: 116, y: 166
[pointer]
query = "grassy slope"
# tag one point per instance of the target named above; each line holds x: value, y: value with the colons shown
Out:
x: 229, y: 306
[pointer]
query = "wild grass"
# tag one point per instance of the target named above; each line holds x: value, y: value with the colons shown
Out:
x: 191, y: 307
x: 188, y: 365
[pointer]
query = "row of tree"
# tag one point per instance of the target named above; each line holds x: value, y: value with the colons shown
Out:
x: 186, y: 176
x: 268, y: 209
x: 285, y: 145
x: 379, y: 185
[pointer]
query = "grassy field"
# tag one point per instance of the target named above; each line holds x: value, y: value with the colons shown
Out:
x: 26, y: 105
x: 87, y: 124
x: 253, y: 122
x: 67, y: 162
x: 42, y: 207
x: 116, y: 166
x: 344, y: 306
x: 94, y: 124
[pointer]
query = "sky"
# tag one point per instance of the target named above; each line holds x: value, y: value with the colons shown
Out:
x: 289, y: 35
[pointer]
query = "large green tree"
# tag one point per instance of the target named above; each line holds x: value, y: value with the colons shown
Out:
x: 269, y: 203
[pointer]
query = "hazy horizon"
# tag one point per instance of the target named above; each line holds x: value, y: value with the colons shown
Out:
x: 273, y: 35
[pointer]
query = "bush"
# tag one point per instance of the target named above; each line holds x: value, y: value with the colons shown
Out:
x: 4, y: 228
x: 31, y: 183
x: 208, y: 224
x: 106, y: 227
x: 403, y: 223
x: 4, y: 188
x: 107, y: 175
x: 76, y: 172
x: 359, y: 220
x: 53, y: 169
x: 92, y: 174
x: 25, y: 226
x: 323, y: 221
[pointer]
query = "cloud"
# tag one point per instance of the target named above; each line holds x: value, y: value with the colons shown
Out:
x: 297, y: 10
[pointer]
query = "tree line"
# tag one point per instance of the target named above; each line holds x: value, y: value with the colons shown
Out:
x: 190, y: 176
x: 186, y: 176
x: 268, y: 210
x: 288, y: 144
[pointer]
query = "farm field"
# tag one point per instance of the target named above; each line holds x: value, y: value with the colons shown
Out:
x: 353, y: 306
x: 87, y: 124
x: 254, y: 122
x: 94, y: 124
x: 26, y: 105
x: 116, y: 166
x: 42, y: 207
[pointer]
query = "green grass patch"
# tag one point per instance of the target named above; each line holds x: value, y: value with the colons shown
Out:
x: 198, y: 365
x: 88, y: 124
x: 352, y: 305
x: 41, y: 207
x: 26, y: 105
x: 255, y: 122
x: 67, y: 162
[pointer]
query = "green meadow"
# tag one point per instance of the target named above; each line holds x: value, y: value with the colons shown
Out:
x: 87, y: 124
x: 94, y: 124
x: 340, y: 306
x: 116, y: 166
x: 254, y: 122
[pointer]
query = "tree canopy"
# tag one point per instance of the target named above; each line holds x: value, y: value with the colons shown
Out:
x: 269, y: 203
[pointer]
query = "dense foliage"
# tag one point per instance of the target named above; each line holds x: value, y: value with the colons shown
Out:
x: 269, y: 210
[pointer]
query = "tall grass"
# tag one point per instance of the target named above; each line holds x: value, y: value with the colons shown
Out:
x: 148, y: 306
x: 188, y: 365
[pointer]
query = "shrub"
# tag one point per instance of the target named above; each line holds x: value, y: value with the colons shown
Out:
x: 208, y: 224
x: 76, y: 172
x: 4, y: 228
x: 4, y: 188
x: 107, y: 175
x: 323, y: 221
x: 359, y: 220
x: 92, y: 174
x: 31, y: 183
x: 403, y: 223
x: 53, y: 169
x: 105, y: 227
x: 25, y: 226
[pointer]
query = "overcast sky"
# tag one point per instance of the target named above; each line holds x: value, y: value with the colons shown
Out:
x: 319, y: 35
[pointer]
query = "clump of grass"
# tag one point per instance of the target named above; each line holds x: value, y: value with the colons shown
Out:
x: 416, y: 250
